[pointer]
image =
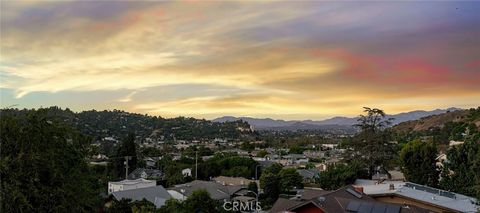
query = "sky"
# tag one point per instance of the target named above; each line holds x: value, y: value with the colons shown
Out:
x: 206, y: 59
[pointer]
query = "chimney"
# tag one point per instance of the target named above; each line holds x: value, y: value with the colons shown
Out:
x: 358, y: 188
x: 391, y: 187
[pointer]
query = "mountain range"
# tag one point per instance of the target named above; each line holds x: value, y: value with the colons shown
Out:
x: 341, y: 123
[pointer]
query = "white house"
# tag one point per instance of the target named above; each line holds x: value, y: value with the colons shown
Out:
x: 187, y: 172
x: 129, y: 184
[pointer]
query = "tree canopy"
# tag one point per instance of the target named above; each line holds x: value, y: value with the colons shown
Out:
x: 43, y: 167
x: 418, y: 160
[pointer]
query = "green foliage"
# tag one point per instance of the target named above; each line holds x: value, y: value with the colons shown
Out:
x: 296, y: 150
x: 127, y: 148
x: 372, y: 143
x: 252, y: 186
x: 117, y: 123
x: 143, y: 206
x: 227, y: 165
x: 43, y: 167
x: 199, y: 201
x: 262, y: 153
x: 289, y: 179
x: 461, y: 172
x: 418, y: 160
x: 341, y: 175
x: 247, y: 146
x: 123, y: 205
x: 274, y: 168
x: 171, y: 205
x: 270, y: 183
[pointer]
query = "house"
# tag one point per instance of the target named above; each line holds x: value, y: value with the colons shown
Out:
x: 346, y: 199
x: 216, y: 190
x: 151, y: 163
x: 145, y: 174
x: 314, y: 154
x: 155, y: 194
x: 233, y: 181
x: 407, y: 193
x: 187, y: 172
x: 295, y: 159
x: 309, y: 175
x: 129, y: 184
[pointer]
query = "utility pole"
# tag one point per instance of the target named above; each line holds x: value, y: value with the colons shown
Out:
x: 196, y: 165
x: 126, y: 165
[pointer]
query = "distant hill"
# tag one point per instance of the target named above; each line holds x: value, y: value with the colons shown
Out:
x: 439, y: 120
x: 117, y: 124
x: 344, y: 123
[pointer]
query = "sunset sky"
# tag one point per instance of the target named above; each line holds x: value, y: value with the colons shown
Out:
x: 288, y: 60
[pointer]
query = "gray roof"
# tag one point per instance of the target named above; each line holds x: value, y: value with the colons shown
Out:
x: 308, y: 173
x: 151, y: 173
x: 156, y: 194
x: 454, y: 201
x: 437, y: 197
x: 217, y: 191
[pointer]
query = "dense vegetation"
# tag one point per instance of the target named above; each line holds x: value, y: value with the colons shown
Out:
x: 43, y: 167
x: 276, y: 180
x: 118, y: 124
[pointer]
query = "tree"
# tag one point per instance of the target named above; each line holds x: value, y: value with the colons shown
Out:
x: 296, y: 150
x: 262, y: 153
x: 126, y: 149
x: 42, y: 166
x: 123, y: 205
x: 252, y: 186
x: 341, y: 175
x: 143, y: 206
x: 172, y: 205
x: 373, y: 140
x: 289, y: 179
x: 200, y: 201
x: 275, y: 168
x: 418, y: 160
x: 461, y: 172
x: 270, y: 183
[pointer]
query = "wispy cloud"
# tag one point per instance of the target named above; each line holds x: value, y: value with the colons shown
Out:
x: 302, y: 59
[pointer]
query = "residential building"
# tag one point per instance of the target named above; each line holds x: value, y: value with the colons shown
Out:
x: 129, y: 184
x: 233, y: 181
x: 155, y: 194
x: 346, y: 199
x: 309, y: 175
x: 407, y: 193
x: 145, y: 174
x: 216, y: 190
x: 187, y: 172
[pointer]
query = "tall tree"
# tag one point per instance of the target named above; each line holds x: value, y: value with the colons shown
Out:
x: 200, y: 201
x: 126, y: 149
x: 270, y: 183
x: 42, y: 166
x: 418, y: 160
x: 373, y: 140
x: 341, y: 175
x: 289, y: 179
x: 461, y: 172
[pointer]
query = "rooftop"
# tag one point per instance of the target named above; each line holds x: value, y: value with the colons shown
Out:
x: 156, y: 194
x: 132, y: 182
x: 216, y: 190
x: 433, y: 196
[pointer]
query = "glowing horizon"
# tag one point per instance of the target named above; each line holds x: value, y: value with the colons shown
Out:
x: 283, y: 60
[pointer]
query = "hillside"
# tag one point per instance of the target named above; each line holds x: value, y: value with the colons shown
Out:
x: 335, y: 123
x: 439, y: 120
x: 117, y: 124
